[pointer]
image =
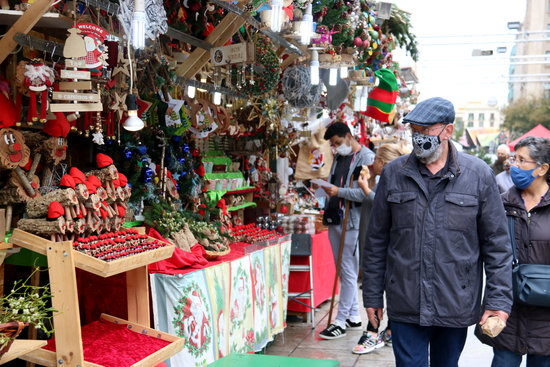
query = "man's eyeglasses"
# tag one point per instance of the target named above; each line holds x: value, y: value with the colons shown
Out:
x: 426, y: 130
x: 519, y: 161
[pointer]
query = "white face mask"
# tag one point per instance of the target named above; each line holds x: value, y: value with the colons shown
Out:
x: 344, y: 149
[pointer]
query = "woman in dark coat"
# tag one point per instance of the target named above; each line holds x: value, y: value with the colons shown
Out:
x: 528, y: 202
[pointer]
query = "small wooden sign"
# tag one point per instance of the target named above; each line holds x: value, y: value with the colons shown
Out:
x: 76, y: 107
x: 87, y: 85
x: 233, y: 54
x: 80, y: 97
x: 75, y: 63
x: 75, y: 74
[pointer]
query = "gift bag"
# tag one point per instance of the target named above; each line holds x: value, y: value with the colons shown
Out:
x: 315, y: 158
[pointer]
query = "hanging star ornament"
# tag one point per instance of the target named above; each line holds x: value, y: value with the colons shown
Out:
x: 119, y: 105
x: 122, y: 65
x: 98, y: 138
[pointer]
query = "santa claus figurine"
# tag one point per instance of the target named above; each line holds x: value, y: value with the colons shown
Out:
x: 56, y: 145
x: 38, y: 77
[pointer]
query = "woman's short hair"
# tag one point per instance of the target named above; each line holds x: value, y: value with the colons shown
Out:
x: 539, y: 150
x: 388, y: 152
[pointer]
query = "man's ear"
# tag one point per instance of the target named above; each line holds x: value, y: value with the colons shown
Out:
x: 449, y: 130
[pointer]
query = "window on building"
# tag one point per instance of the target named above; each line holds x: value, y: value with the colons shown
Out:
x: 481, y: 117
x: 547, y: 90
x: 548, y: 31
x: 470, y: 123
x: 492, y: 119
x: 480, y: 123
x: 471, y: 117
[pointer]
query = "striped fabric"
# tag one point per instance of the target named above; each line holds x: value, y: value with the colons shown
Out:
x: 381, y: 100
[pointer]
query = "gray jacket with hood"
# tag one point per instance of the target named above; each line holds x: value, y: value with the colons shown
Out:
x: 428, y: 250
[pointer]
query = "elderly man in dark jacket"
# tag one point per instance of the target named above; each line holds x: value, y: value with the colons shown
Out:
x: 437, y: 221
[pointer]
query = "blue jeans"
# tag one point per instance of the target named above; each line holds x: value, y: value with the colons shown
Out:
x: 411, y: 343
x: 505, y: 358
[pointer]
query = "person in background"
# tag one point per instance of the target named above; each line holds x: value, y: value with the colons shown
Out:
x: 438, y: 222
x: 503, y: 153
x: 504, y: 179
x: 371, y: 339
x: 528, y: 202
x: 350, y: 157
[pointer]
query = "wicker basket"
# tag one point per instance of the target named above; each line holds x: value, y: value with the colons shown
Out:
x: 12, y: 330
x: 212, y: 255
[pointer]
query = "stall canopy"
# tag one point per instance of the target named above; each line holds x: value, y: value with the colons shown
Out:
x: 538, y: 131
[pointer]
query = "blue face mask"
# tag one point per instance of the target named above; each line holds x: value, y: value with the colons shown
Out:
x: 522, y: 178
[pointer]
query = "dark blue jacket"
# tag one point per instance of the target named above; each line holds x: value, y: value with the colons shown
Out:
x: 428, y: 252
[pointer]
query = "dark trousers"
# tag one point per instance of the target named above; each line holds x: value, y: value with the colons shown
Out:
x: 505, y: 358
x: 412, y: 342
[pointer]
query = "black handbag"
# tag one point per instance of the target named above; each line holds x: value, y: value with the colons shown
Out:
x: 531, y: 282
x: 332, y: 216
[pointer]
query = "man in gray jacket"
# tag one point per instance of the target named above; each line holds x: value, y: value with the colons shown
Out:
x: 350, y: 157
x: 437, y: 221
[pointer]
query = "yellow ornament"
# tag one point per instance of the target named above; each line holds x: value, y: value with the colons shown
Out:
x: 156, y: 180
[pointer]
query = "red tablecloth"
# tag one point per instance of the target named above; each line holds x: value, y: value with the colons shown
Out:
x: 323, y: 273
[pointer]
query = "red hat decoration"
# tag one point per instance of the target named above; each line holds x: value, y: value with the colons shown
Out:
x: 78, y: 176
x: 58, y: 127
x: 55, y: 210
x: 122, y: 179
x: 94, y: 181
x: 92, y: 189
x: 8, y: 117
x: 103, y: 213
x: 116, y: 183
x: 121, y: 211
x: 103, y: 160
x: 67, y: 181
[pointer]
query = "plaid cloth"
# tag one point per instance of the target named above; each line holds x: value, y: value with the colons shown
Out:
x: 431, y: 111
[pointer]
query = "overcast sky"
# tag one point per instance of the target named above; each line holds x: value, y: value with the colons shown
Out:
x: 448, y: 32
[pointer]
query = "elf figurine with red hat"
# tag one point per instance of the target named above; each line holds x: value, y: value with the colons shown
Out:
x: 106, y: 172
x: 81, y: 189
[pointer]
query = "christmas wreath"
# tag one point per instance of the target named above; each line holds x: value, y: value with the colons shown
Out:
x: 265, y: 73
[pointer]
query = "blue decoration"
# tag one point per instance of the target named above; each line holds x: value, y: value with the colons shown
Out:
x: 185, y: 148
x: 148, y: 172
x: 181, y: 160
x: 127, y: 153
x: 176, y: 138
x: 142, y: 149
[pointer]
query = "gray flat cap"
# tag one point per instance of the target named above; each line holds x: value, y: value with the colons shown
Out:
x: 431, y: 111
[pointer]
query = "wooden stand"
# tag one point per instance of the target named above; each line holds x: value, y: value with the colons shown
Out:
x: 62, y: 260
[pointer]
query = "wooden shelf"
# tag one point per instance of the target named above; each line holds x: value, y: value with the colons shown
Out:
x: 242, y: 206
x: 48, y: 20
x: 48, y: 358
x: 5, y: 246
x: 91, y: 264
x: 20, y: 347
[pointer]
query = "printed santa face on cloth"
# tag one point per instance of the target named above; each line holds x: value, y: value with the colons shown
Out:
x: 56, y: 145
x: 13, y: 151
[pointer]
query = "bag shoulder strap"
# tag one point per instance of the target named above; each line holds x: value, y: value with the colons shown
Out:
x: 511, y: 231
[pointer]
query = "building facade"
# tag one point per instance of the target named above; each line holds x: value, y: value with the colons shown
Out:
x: 476, y: 115
x: 530, y: 59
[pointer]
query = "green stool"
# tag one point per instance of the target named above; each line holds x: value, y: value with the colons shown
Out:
x: 255, y: 360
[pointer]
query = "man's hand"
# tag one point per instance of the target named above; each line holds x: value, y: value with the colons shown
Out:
x: 371, y: 312
x: 488, y: 313
x: 331, y: 190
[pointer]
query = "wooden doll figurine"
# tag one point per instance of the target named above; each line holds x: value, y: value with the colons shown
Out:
x: 38, y: 77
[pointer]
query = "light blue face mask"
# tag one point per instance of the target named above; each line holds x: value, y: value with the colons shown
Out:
x: 522, y: 178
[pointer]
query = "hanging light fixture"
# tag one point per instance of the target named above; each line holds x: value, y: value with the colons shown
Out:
x: 133, y: 122
x: 306, y: 27
x: 276, y: 14
x: 314, y: 68
x: 191, y: 91
x: 357, y: 99
x: 217, y: 98
x: 139, y: 22
x: 364, y: 97
x: 343, y: 72
x: 333, y: 76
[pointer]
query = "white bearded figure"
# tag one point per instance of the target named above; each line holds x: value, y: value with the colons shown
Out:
x: 38, y: 77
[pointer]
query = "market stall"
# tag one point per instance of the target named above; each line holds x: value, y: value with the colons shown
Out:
x: 170, y: 144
